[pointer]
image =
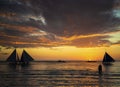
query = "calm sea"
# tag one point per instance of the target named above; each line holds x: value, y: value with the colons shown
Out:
x: 59, y: 74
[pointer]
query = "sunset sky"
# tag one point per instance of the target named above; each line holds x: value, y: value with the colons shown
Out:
x: 60, y: 29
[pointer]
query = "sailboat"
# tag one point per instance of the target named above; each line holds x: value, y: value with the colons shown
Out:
x: 107, y: 59
x: 13, y: 58
x: 25, y: 58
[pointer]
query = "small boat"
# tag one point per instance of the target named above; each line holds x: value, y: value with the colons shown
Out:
x: 13, y: 58
x: 61, y: 61
x: 25, y: 58
x: 107, y: 59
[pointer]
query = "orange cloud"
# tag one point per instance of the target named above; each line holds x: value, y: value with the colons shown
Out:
x: 27, y: 36
x: 20, y: 28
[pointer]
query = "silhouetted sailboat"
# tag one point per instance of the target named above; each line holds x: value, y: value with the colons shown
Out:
x: 107, y: 59
x: 25, y: 58
x: 13, y: 58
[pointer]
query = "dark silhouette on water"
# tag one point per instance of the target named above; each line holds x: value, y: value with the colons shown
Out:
x: 25, y: 58
x: 61, y: 61
x: 100, y: 69
x: 13, y: 58
x: 107, y: 59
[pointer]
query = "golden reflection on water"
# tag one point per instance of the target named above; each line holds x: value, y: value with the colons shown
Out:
x: 56, y: 74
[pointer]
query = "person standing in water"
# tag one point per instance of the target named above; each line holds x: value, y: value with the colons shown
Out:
x: 100, y: 69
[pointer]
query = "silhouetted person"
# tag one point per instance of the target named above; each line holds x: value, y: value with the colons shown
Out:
x: 100, y: 69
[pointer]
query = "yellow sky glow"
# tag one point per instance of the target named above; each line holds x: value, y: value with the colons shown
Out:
x: 69, y: 53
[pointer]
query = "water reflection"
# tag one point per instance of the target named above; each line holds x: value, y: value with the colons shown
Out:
x: 70, y: 74
x: 107, y: 69
x: 17, y: 75
x: 108, y: 77
x: 101, y: 81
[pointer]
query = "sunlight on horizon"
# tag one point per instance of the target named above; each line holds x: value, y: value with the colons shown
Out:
x: 68, y: 53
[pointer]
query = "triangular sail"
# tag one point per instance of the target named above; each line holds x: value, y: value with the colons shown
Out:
x: 26, y: 57
x: 13, y: 57
x: 108, y: 58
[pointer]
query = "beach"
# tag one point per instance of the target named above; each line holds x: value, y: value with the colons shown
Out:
x: 59, y: 74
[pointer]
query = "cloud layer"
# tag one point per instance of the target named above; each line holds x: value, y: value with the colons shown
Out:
x: 49, y: 23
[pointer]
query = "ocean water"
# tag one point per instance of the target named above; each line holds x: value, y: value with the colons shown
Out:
x: 59, y: 74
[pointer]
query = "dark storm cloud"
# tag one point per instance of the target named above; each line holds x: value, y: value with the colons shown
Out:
x: 78, y: 17
x: 19, y: 13
x: 22, y: 20
x: 13, y: 6
x: 10, y: 32
x: 71, y: 16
